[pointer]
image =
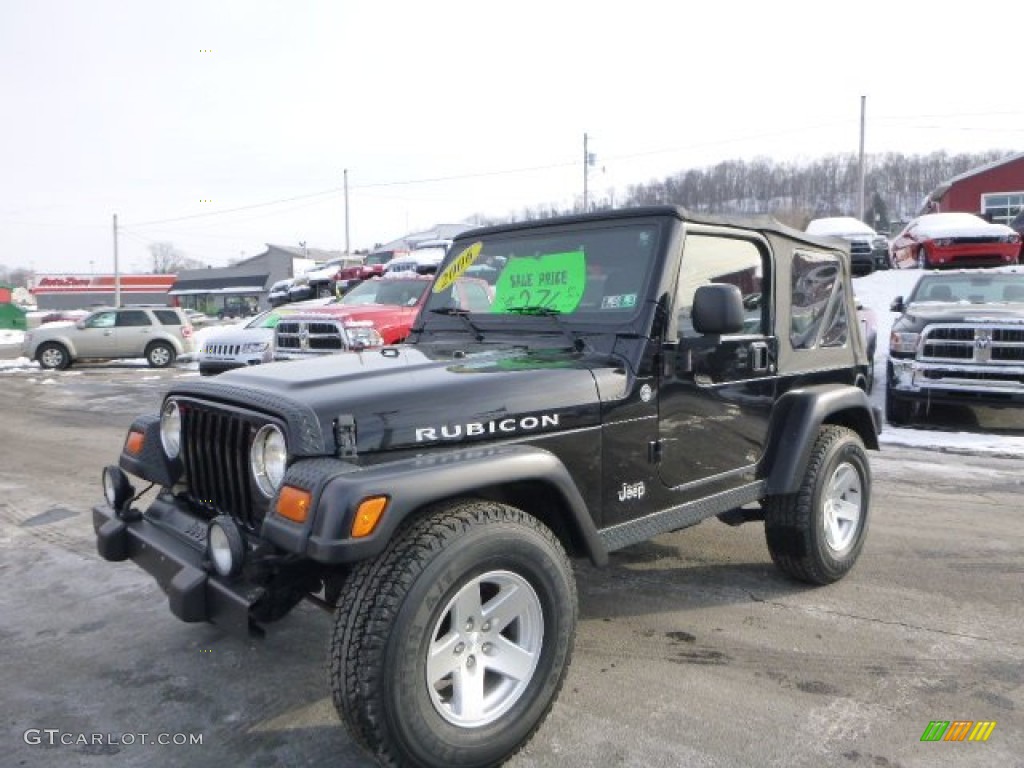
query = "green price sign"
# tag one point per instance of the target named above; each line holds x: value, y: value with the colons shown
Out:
x: 553, y: 281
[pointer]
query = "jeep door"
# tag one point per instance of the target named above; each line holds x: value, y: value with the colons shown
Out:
x: 97, y: 337
x: 715, y: 395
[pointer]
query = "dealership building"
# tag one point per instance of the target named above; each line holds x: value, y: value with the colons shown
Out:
x: 994, y: 191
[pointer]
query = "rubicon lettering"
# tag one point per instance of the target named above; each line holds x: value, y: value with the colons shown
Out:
x: 481, y: 428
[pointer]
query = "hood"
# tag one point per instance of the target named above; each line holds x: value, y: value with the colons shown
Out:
x: 239, y: 335
x: 418, y: 396
x: 355, y: 312
x: 920, y: 315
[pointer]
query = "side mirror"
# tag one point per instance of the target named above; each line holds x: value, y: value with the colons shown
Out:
x: 717, y: 309
x: 80, y: 324
x: 897, y: 305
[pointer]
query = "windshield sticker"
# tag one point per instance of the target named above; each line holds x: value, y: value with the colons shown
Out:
x: 458, y: 266
x: 553, y: 281
x: 622, y: 301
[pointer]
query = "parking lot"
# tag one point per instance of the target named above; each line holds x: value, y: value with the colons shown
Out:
x: 692, y: 649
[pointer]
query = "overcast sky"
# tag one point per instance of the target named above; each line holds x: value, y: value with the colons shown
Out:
x: 149, y: 109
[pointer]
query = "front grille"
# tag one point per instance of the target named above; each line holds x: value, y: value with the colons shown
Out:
x: 215, y: 447
x: 859, y: 247
x: 981, y: 344
x: 223, y: 349
x: 310, y: 336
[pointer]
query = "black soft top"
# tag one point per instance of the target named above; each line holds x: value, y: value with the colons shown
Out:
x: 762, y: 223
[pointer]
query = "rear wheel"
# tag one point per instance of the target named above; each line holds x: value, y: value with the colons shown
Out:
x: 816, y: 534
x: 53, y: 356
x: 160, y: 354
x: 450, y: 647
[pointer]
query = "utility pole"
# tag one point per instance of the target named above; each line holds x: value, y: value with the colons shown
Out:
x: 586, y: 168
x: 346, y: 213
x: 117, y: 269
x: 860, y: 190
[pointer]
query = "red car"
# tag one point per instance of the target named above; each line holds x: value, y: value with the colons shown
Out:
x: 391, y: 304
x: 954, y: 240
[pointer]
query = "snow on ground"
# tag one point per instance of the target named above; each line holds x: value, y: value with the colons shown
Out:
x: 876, y: 291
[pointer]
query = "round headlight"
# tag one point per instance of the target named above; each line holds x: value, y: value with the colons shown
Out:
x: 170, y: 429
x: 225, y: 546
x: 268, y: 459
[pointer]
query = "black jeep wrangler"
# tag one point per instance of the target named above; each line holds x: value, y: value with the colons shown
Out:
x: 635, y: 372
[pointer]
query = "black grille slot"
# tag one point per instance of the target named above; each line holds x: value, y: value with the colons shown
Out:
x: 949, y: 351
x: 1008, y: 335
x: 215, y: 451
x: 952, y: 334
x: 1012, y: 354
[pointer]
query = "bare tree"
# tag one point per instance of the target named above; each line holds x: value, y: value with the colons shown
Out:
x: 169, y: 260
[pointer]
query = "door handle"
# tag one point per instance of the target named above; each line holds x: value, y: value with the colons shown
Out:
x: 758, y: 356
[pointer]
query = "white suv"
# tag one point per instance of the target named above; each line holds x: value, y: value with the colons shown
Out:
x: 159, y: 334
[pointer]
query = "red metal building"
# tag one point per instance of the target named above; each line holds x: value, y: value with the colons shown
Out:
x: 994, y: 191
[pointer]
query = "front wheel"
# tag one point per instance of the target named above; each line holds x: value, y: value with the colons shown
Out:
x: 450, y: 647
x: 816, y: 534
x: 53, y: 357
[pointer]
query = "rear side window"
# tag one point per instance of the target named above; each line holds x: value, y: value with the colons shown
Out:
x: 132, y: 318
x: 819, y: 302
x: 168, y: 317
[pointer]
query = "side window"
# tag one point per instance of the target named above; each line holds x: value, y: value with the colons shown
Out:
x: 718, y: 259
x: 819, y: 302
x: 168, y: 317
x: 132, y: 318
x: 101, y: 320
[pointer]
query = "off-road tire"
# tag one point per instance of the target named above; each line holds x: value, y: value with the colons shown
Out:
x: 53, y: 356
x: 390, y: 614
x: 798, y: 525
x: 897, y: 412
x: 160, y: 354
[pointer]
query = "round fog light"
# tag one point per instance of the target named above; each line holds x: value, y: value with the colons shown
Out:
x: 116, y: 489
x: 225, y: 546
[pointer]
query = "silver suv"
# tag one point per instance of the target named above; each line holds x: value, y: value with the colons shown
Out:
x: 159, y: 334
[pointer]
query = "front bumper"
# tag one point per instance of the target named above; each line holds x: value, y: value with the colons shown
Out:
x: 951, y: 383
x: 173, y: 552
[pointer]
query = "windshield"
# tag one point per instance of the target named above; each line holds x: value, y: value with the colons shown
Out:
x: 972, y: 289
x: 596, y: 273
x: 394, y: 292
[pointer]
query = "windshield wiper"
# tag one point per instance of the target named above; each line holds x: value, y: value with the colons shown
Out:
x: 464, y: 314
x: 535, y: 309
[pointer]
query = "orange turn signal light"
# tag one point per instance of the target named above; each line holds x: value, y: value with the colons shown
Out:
x: 368, y: 514
x: 134, y: 442
x: 293, y: 504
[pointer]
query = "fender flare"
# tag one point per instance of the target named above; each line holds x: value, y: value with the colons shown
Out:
x: 64, y: 341
x: 413, y: 483
x: 796, y: 419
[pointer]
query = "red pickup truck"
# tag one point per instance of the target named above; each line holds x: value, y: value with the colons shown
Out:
x: 372, y: 266
x: 378, y: 311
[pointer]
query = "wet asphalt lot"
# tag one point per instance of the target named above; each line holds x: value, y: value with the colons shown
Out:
x: 691, y: 651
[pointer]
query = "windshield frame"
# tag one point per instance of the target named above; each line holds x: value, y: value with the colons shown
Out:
x: 593, y: 318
